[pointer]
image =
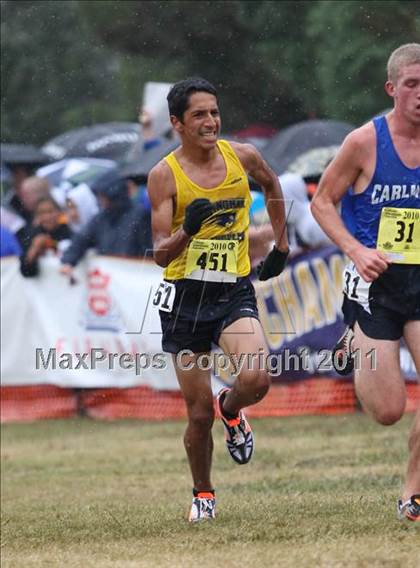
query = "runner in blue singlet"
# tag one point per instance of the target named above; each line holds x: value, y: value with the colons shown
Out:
x: 380, y: 161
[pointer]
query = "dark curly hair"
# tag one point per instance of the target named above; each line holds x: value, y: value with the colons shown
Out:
x: 179, y: 96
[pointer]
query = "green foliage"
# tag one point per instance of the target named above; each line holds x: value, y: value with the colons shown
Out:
x: 55, y: 76
x: 233, y: 44
x: 353, y: 41
x: 70, y: 63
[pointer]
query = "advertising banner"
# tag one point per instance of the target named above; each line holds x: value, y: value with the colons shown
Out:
x: 104, y: 330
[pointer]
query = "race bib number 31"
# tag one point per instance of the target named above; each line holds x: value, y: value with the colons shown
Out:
x: 212, y: 260
x: 399, y: 235
x: 355, y: 288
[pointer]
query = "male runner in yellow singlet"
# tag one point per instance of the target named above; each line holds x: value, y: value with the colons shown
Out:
x: 200, y: 215
x: 380, y: 162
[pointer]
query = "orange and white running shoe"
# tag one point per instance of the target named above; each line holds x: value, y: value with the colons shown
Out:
x: 238, y: 433
x: 203, y: 506
x: 409, y: 509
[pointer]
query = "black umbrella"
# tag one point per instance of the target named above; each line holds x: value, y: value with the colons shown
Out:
x: 140, y: 162
x: 111, y: 140
x: 25, y: 154
x: 295, y: 140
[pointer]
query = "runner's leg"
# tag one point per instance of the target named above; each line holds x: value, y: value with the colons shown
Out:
x: 412, y: 481
x: 240, y: 340
x: 381, y: 391
x: 196, y: 389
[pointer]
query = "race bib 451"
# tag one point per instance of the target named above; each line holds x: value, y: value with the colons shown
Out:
x: 212, y: 260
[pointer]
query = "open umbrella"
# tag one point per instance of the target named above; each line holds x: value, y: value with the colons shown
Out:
x: 298, y: 139
x: 111, y: 141
x: 139, y: 163
x: 16, y: 154
x: 312, y: 163
x: 66, y: 174
x: 75, y: 170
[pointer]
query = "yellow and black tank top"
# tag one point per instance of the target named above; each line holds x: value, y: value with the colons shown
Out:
x: 230, y: 220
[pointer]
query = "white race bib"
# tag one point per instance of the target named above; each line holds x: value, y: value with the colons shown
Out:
x: 164, y: 296
x: 355, y: 288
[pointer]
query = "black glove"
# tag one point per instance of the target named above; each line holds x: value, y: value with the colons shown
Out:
x: 273, y: 265
x: 195, y: 213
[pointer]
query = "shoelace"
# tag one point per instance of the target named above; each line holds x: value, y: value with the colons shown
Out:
x: 206, y: 505
x: 238, y: 438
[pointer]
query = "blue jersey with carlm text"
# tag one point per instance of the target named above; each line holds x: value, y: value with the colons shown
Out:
x: 393, y: 185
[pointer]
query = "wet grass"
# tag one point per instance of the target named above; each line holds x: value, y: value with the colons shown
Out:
x: 320, y: 491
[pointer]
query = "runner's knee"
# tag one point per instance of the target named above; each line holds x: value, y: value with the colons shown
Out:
x: 390, y: 415
x: 385, y: 410
x: 201, y: 416
x: 255, y: 380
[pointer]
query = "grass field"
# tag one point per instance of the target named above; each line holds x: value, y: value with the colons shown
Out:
x: 320, y: 491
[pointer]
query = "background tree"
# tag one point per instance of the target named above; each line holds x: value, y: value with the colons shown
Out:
x: 352, y: 42
x: 73, y: 63
x: 242, y: 47
x: 55, y: 73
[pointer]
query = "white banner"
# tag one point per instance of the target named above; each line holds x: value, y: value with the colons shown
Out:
x: 102, y: 331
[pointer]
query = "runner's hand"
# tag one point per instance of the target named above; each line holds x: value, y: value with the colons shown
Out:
x: 369, y: 263
x: 195, y: 214
x: 273, y: 265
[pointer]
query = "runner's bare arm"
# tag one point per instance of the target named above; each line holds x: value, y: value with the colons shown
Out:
x: 336, y: 180
x: 259, y: 170
x: 162, y: 191
x: 342, y: 173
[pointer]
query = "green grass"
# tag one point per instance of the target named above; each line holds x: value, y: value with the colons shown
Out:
x: 320, y: 491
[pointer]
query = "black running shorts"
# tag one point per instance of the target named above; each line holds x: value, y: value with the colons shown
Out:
x: 202, y: 310
x: 393, y: 300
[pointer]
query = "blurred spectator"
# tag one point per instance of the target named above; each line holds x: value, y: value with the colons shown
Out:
x: 81, y: 206
x: 19, y: 219
x: 138, y: 188
x: 302, y: 228
x: 150, y: 140
x: 137, y: 191
x: 13, y: 198
x: 32, y: 190
x: 49, y: 232
x: 121, y: 228
x: 9, y: 245
x: 303, y: 231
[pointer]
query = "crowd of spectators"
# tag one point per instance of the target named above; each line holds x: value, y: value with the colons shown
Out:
x: 102, y: 217
x: 112, y: 216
